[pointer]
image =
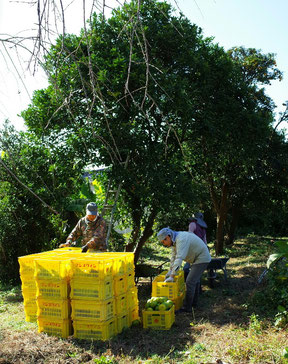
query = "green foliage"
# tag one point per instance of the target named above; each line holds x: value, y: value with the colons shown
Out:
x: 34, y: 186
x: 105, y: 360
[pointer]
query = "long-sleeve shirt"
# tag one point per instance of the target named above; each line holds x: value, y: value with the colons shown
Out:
x: 92, y: 233
x: 190, y: 248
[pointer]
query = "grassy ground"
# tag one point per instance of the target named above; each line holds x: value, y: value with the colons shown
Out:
x: 230, y: 326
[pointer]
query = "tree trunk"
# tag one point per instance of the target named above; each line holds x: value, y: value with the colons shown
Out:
x: 136, y: 217
x: 145, y: 236
x: 233, y: 225
x: 221, y: 218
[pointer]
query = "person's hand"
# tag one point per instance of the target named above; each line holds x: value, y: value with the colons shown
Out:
x: 84, y: 248
x: 169, y: 279
x: 64, y: 245
x: 168, y: 274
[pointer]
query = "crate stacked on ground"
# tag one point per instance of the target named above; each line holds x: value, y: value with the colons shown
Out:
x: 52, y: 275
x: 96, y: 290
x: 28, y: 286
x: 175, y: 291
x: 172, y: 293
x: 92, y: 301
x: 159, y: 313
x: 103, y: 297
x: 125, y: 290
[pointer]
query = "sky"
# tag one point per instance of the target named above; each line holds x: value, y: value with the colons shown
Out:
x: 259, y: 24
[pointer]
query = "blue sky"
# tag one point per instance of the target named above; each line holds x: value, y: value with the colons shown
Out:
x: 260, y: 24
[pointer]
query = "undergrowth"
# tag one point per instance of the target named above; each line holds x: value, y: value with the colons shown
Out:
x: 235, y: 322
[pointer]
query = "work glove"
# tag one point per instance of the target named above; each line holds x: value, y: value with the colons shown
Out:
x: 168, y: 274
x: 84, y: 248
x: 169, y: 279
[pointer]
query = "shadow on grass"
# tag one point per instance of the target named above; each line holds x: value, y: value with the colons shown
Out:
x: 225, y: 304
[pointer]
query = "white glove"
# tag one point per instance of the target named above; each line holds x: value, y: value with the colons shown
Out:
x: 168, y: 274
x: 169, y: 279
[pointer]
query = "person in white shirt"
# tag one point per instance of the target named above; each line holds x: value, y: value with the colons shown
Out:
x: 190, y: 248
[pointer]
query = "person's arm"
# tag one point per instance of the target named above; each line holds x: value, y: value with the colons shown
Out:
x: 182, y: 247
x: 192, y: 227
x: 74, y: 235
x: 205, y: 238
x: 98, y: 241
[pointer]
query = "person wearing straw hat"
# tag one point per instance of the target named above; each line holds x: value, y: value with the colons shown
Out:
x: 190, y: 248
x: 197, y: 226
x: 91, y: 229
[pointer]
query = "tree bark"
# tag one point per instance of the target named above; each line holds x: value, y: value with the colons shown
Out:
x: 145, y: 236
x: 233, y: 225
x: 221, y: 218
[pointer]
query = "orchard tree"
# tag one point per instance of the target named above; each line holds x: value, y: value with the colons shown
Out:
x: 128, y: 89
x: 36, y: 188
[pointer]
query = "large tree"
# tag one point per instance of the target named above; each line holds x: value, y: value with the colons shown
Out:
x: 129, y: 88
x: 145, y: 87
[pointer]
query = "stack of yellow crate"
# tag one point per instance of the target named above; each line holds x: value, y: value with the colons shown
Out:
x: 52, y: 273
x: 103, y: 294
x: 95, y: 290
x: 125, y: 290
x: 175, y: 291
x: 93, y: 306
x: 28, y: 286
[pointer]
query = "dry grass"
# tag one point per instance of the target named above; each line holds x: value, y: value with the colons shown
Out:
x: 224, y: 329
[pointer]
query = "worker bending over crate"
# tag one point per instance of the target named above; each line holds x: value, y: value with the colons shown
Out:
x: 91, y: 229
x: 190, y: 248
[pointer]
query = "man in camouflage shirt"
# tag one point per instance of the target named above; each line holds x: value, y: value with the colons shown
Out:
x: 91, y: 229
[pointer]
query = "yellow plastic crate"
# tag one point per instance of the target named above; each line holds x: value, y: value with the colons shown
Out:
x: 119, y: 285
x: 93, y: 310
x: 88, y: 268
x: 54, y: 309
x: 70, y: 249
x: 132, y: 298
x: 133, y: 315
x: 118, y: 262
x: 30, y: 310
x: 165, y: 289
x: 91, y: 291
x: 121, y: 304
x: 179, y: 279
x: 94, y: 330
x: 159, y: 320
x: 26, y: 264
x: 49, y: 289
x: 122, y: 322
x: 178, y: 302
x: 52, y: 268
x: 130, y: 266
x: 130, y: 280
x: 29, y: 296
x: 28, y: 284
x: 60, y: 328
x: 127, y: 265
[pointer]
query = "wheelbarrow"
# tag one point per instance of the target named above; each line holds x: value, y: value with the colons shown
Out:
x: 147, y: 271
x: 216, y: 263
